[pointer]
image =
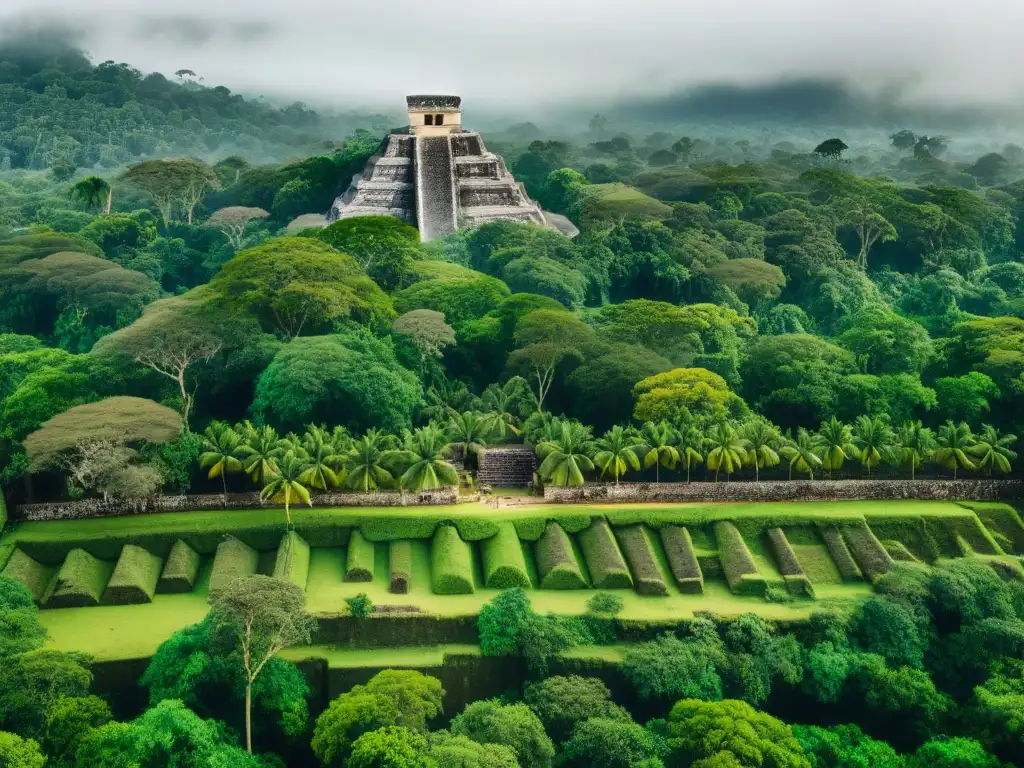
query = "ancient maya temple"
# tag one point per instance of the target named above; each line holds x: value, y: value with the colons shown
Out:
x: 439, y: 177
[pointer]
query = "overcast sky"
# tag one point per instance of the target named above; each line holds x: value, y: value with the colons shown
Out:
x: 373, y: 52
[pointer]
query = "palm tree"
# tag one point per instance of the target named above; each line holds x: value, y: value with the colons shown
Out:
x: 341, y: 441
x: 874, y: 440
x: 445, y: 396
x: 324, y: 464
x: 502, y: 405
x: 93, y: 192
x: 993, y: 450
x: 366, y: 464
x: 690, y: 443
x: 659, y: 447
x: 836, y: 443
x: 954, y: 443
x: 565, y: 458
x: 285, y: 486
x: 261, y: 447
x: 221, y: 448
x: 617, y: 452
x: 424, y: 457
x: 728, y: 449
x: 915, y: 443
x: 470, y: 431
x: 802, y: 453
x: 762, y: 444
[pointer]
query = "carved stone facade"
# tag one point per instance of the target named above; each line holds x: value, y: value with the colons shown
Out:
x: 507, y: 467
x: 439, y: 177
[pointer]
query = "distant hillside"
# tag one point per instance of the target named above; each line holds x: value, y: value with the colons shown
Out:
x: 58, y: 109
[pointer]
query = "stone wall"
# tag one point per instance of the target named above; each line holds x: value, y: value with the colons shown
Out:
x: 74, y: 510
x: 792, y: 490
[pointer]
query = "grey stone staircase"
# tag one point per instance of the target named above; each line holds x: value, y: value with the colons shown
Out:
x: 511, y: 467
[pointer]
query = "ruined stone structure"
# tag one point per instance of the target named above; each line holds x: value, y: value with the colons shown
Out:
x: 439, y: 177
x: 510, y: 467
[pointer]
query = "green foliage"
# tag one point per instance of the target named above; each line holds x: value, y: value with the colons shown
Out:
x: 557, y: 565
x: 20, y: 629
x: 180, y: 569
x: 460, y: 299
x: 80, y: 581
x: 359, y: 606
x: 167, y: 732
x: 135, y: 577
x: 737, y: 562
x: 292, y: 561
x: 451, y: 563
x: 563, y: 702
x: 32, y: 683
x: 682, y: 559
x: 512, y: 725
x: 359, y: 559
x: 610, y: 743
x: 604, y: 560
x: 844, y: 746
x: 500, y: 622
x: 384, y: 246
x: 32, y: 575
x: 234, y: 560
x: 503, y: 562
x: 312, y: 380
x: 17, y: 752
x: 709, y: 733
x: 605, y: 603
x: 671, y: 668
x: 68, y: 722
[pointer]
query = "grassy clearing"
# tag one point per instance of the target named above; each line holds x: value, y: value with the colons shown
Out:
x: 416, y: 657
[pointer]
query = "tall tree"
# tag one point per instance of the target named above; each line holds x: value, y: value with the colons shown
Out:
x: 953, y: 447
x: 659, y: 446
x: 285, y: 485
x: 993, y: 451
x: 366, y: 464
x: 727, y: 449
x: 566, y: 456
x: 915, y: 443
x: 616, y: 452
x: 265, y: 616
x: 172, y: 337
x: 804, y: 453
x: 323, y: 460
x: 424, y: 459
x: 93, y: 192
x: 470, y: 431
x: 176, y: 181
x: 874, y: 440
x: 836, y: 442
x: 871, y: 227
x: 260, y: 447
x: 221, y: 454
x: 762, y: 445
x: 691, y: 447
x: 233, y: 221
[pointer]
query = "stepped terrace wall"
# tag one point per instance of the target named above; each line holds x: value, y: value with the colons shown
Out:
x: 77, y: 510
x: 792, y: 490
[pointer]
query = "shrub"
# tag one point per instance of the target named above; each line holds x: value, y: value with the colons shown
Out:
x: 792, y: 572
x: 898, y: 551
x: 643, y: 562
x: 867, y: 551
x: 234, y: 560
x: 359, y: 561
x: 359, y: 606
x: 451, y: 562
x: 504, y: 564
x: 840, y: 554
x: 557, y: 566
x: 682, y: 560
x: 292, y: 563
x: 737, y: 562
x: 135, y: 577
x: 605, y: 603
x: 36, y: 577
x: 80, y: 581
x: 607, y: 568
x: 400, y: 565
x: 180, y: 570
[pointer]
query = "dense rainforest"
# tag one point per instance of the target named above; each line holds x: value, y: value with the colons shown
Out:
x: 745, y: 306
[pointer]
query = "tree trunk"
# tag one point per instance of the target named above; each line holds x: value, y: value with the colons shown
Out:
x: 757, y: 472
x: 248, y: 716
x: 224, y: 481
x: 657, y: 471
x: 110, y: 200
